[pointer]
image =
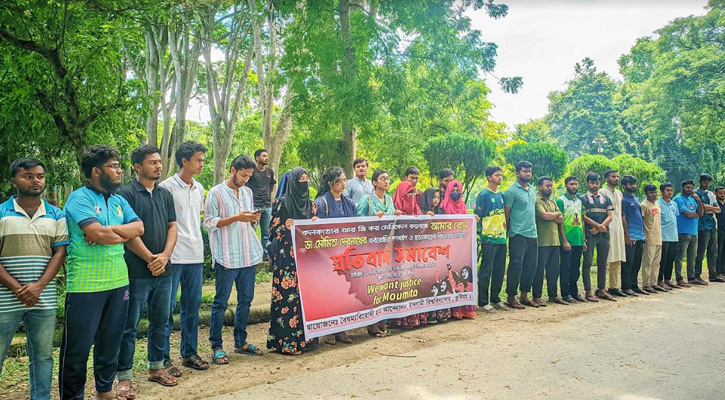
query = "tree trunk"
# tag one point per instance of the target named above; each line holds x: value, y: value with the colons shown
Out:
x: 152, y: 86
x: 349, y: 70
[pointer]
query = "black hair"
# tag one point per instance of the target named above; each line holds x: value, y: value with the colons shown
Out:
x: 470, y: 274
x: 492, y: 170
x: 259, y: 152
x: 570, y: 178
x: 523, y: 165
x: 187, y: 150
x: 24, y: 163
x: 650, y: 188
x: 665, y: 185
x: 719, y: 188
x: 688, y: 182
x: 705, y: 178
x: 377, y: 174
x: 609, y: 172
x: 627, y: 179
x: 445, y: 173
x: 593, y: 177
x: 96, y: 156
x: 359, y: 161
x: 242, y: 162
x: 330, y: 175
x: 138, y: 155
x: 411, y: 171
x: 544, y: 179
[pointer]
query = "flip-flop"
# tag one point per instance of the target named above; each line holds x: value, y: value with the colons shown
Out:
x: 249, y: 349
x: 164, y: 379
x: 128, y: 394
x: 529, y: 303
x: 517, y: 306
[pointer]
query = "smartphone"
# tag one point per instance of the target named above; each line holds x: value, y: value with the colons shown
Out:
x: 258, y: 211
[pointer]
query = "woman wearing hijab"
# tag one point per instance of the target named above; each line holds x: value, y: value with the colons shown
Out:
x: 430, y: 202
x: 380, y: 202
x: 453, y: 204
x: 286, y: 335
x: 331, y: 203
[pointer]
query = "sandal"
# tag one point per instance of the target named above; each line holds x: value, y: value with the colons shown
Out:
x: 540, y: 302
x: 219, y: 357
x: 195, y: 362
x: 529, y: 303
x: 125, y: 392
x: 592, y: 299
x: 516, y: 305
x: 342, y: 337
x: 249, y: 349
x: 173, y: 371
x: 164, y: 379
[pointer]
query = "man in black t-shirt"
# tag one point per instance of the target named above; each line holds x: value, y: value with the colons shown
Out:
x: 261, y: 183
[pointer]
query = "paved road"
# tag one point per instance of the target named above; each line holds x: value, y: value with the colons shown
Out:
x: 668, y: 346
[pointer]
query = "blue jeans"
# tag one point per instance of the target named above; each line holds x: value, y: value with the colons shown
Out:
x: 225, y: 279
x: 264, y: 221
x: 190, y: 276
x: 39, y: 327
x: 157, y: 292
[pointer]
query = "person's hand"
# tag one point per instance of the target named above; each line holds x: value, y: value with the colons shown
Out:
x: 628, y: 240
x: 696, y: 197
x: 431, y: 213
x: 585, y: 246
x: 246, y: 216
x: 567, y: 246
x: 602, y: 228
x: 289, y: 223
x: 379, y: 214
x: 478, y: 219
x: 30, y: 294
x: 315, y: 218
x: 559, y: 219
x: 398, y: 212
x: 593, y: 230
x: 158, y: 263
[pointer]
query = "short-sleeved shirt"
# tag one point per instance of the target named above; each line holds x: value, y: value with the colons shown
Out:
x: 188, y: 203
x: 156, y: 210
x: 573, y: 221
x: 547, y: 231
x: 235, y: 245
x: 522, y: 217
x: 707, y: 221
x: 632, y: 212
x: 652, y: 218
x: 596, y: 208
x: 26, y: 246
x: 669, y: 220
x: 490, y: 208
x: 685, y: 224
x: 357, y: 188
x: 261, y: 183
x: 96, y: 267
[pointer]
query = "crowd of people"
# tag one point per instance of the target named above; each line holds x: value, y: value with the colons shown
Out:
x: 129, y: 248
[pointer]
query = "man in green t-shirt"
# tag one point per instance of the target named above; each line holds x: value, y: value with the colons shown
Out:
x: 548, y: 219
x: 572, y: 240
x: 492, y: 232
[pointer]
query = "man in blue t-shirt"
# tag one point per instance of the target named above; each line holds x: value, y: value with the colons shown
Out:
x: 633, y: 237
x: 690, y: 207
x: 707, y: 230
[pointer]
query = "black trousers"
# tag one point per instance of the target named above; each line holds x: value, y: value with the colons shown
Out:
x: 97, y: 319
x: 601, y: 245
x: 721, y: 251
x: 706, y: 243
x: 523, y: 257
x: 549, y: 263
x: 569, y: 270
x: 667, y: 262
x: 490, y: 272
x: 630, y: 268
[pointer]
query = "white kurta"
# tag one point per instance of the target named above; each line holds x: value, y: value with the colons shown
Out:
x: 616, y: 230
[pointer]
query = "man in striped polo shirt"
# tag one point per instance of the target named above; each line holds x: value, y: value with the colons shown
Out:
x: 96, y: 302
x: 235, y: 250
x: 33, y: 239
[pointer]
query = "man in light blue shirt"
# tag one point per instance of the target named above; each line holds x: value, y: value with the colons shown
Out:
x: 670, y: 239
x: 690, y: 207
x: 359, y: 186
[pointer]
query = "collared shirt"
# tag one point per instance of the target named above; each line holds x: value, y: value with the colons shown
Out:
x: 235, y: 245
x: 685, y: 224
x: 357, y: 188
x: 96, y: 267
x: 156, y: 210
x: 707, y: 221
x: 632, y: 213
x: 26, y: 246
x: 652, y: 218
x: 596, y: 208
x: 571, y: 207
x: 548, y: 231
x: 669, y: 220
x: 522, y: 218
x: 261, y: 183
x: 490, y: 208
x: 188, y: 204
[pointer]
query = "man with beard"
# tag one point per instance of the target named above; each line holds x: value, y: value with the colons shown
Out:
x: 520, y: 212
x: 548, y: 219
x: 261, y: 184
x: 669, y: 237
x: 444, y: 178
x: 235, y: 251
x: 33, y: 240
x: 598, y: 211
x: 617, y: 251
x: 720, y: 195
x: 360, y: 185
x: 571, y: 231
x: 147, y: 258
x: 652, y: 253
x: 707, y: 229
x: 633, y: 237
x: 412, y: 175
x: 97, y: 294
x: 691, y: 209
x: 492, y: 232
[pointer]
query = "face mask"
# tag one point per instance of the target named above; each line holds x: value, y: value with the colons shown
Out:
x: 455, y: 196
x: 305, y: 186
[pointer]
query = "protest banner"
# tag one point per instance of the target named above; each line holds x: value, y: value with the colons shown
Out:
x: 353, y: 272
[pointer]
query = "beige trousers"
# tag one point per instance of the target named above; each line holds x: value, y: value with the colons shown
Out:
x: 651, y: 257
x: 615, y: 274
